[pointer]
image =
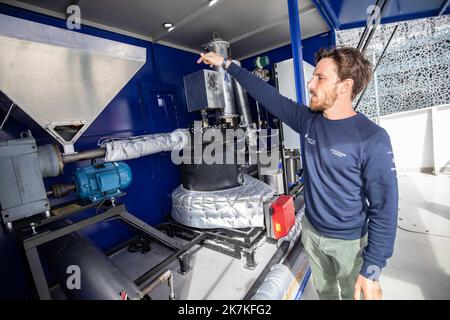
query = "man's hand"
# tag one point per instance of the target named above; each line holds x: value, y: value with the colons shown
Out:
x: 371, y: 289
x: 211, y: 58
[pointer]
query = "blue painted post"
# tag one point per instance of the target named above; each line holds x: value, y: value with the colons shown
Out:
x: 296, y: 42
x: 297, y: 55
x: 333, y: 38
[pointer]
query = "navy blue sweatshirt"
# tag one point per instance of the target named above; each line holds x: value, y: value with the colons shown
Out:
x: 350, y: 176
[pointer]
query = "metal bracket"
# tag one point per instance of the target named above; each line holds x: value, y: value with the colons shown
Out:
x: 31, y: 243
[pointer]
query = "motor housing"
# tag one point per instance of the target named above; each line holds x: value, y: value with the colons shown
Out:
x: 100, y: 181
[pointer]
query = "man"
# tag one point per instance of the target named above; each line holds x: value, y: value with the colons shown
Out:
x: 351, y: 192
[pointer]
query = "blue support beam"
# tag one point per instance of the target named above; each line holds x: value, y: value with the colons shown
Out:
x: 297, y: 55
x: 347, y: 14
x: 296, y: 42
x: 443, y: 7
x: 328, y: 14
x: 333, y: 38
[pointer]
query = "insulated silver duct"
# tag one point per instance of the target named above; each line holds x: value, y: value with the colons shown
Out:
x: 275, y: 284
x: 222, y: 48
x: 136, y: 147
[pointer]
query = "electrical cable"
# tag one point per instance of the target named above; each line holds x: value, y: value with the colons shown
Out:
x: 101, y: 203
x: 425, y: 233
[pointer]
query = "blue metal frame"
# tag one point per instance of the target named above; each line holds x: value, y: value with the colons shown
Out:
x: 347, y: 14
x: 443, y: 7
x: 327, y: 14
x: 333, y: 38
x: 296, y: 43
x: 302, y: 287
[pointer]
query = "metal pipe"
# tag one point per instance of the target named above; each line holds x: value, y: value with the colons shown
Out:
x: 283, y: 158
x: 294, y: 191
x: 84, y: 155
x: 372, y: 32
x: 377, y: 97
x: 242, y: 102
x: 165, y: 276
x: 172, y: 293
x: 258, y: 112
x: 363, y: 36
x: 376, y: 66
x: 296, y: 43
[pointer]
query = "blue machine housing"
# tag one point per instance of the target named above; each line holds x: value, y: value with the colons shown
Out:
x: 101, y: 181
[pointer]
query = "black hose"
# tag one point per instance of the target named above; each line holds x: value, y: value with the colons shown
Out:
x: 294, y: 253
x: 276, y: 258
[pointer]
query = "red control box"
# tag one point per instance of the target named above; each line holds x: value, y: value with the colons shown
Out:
x: 283, y: 217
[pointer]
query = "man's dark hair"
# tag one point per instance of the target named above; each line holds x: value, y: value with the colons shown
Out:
x: 351, y: 64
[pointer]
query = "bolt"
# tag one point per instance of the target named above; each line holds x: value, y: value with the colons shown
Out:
x: 33, y: 228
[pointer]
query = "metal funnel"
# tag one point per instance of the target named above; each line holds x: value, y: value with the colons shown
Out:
x: 60, y: 78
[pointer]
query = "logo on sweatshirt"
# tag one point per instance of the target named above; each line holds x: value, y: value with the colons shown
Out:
x: 309, y: 140
x: 393, y: 160
x: 338, y: 153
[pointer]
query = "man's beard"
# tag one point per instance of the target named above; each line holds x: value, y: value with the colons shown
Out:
x: 323, y: 102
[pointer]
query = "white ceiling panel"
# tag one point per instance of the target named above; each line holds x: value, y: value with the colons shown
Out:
x: 144, y: 17
x: 252, y: 26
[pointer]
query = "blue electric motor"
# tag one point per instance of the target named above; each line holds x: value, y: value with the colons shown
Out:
x: 100, y: 181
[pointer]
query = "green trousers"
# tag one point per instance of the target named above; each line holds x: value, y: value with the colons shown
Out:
x: 335, y: 263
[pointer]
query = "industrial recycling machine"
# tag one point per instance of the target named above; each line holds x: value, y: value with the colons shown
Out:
x: 227, y: 206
